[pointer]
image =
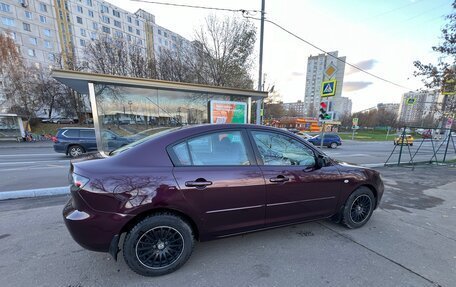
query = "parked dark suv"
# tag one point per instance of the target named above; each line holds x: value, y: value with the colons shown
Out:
x: 176, y: 186
x: 76, y: 141
x: 329, y: 140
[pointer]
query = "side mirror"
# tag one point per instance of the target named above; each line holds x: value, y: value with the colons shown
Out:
x: 321, y: 161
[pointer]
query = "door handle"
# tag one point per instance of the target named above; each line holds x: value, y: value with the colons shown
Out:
x: 279, y: 178
x: 198, y: 183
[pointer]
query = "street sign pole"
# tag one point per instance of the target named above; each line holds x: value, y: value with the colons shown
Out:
x: 259, y: 102
x: 323, y: 126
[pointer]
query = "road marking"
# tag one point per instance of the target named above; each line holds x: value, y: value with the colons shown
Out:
x: 32, y: 168
x: 31, y: 162
x: 28, y: 154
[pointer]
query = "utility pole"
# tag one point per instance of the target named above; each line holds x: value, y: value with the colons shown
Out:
x: 259, y: 102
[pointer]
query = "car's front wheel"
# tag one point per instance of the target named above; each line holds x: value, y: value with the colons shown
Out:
x: 333, y: 145
x: 358, y: 208
x: 75, y: 150
x: 158, y: 245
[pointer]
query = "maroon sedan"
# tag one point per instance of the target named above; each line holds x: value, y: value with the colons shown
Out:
x: 205, y: 182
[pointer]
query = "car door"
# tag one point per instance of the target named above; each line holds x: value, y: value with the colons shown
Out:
x: 296, y: 189
x: 220, y: 179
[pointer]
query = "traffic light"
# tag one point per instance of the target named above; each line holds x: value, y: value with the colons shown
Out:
x: 323, y: 113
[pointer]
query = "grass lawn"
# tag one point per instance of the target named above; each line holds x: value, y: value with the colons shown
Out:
x: 47, y: 128
x: 362, y: 135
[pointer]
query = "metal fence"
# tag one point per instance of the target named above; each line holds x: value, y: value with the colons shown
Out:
x: 415, y: 145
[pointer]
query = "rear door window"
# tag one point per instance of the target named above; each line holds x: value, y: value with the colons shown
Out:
x: 87, y: 134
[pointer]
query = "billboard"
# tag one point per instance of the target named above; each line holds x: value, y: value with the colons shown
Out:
x: 227, y: 112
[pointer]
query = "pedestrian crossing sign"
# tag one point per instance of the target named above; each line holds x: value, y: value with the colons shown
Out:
x: 328, y: 88
x: 410, y: 101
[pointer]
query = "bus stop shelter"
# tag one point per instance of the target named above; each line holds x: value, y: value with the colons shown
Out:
x: 135, y: 107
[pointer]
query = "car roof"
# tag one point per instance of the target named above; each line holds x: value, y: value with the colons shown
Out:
x: 76, y: 128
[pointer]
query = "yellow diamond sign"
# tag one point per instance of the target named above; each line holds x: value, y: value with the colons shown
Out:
x: 330, y: 70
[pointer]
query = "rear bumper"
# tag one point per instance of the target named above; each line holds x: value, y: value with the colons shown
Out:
x: 93, y: 230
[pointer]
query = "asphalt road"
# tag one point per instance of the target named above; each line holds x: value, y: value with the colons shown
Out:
x: 377, y: 153
x: 410, y: 241
x: 32, y: 166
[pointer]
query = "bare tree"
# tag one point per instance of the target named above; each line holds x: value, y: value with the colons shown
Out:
x: 223, y: 51
x: 176, y: 64
x: 19, y: 80
x: 107, y: 55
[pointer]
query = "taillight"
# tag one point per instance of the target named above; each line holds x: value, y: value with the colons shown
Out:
x: 54, y: 139
x: 79, y: 180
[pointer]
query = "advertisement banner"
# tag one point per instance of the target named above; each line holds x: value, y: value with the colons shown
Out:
x: 227, y: 112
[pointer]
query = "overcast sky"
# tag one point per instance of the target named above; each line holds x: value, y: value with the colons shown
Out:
x: 382, y: 36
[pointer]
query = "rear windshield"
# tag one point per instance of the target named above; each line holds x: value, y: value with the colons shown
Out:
x: 133, y: 144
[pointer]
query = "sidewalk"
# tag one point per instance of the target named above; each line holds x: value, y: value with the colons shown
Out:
x: 13, y: 144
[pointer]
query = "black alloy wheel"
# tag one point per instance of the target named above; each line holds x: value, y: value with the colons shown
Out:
x: 159, y: 247
x: 358, y: 208
x: 159, y: 244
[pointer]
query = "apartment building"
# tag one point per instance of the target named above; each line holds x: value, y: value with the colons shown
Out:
x: 424, y: 103
x: 32, y: 25
x: 317, y: 73
x: 47, y: 29
x: 297, y: 107
x: 389, y: 107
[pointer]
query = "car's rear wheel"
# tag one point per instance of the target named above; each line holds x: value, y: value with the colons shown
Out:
x: 358, y: 208
x: 333, y: 145
x: 75, y: 150
x: 158, y: 245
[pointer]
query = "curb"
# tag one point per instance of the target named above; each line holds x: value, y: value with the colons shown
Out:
x: 4, y: 195
x: 372, y: 164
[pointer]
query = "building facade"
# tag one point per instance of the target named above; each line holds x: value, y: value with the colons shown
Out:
x: 389, y: 107
x: 32, y: 25
x: 317, y: 72
x: 340, y: 106
x: 298, y: 108
x: 425, y: 104
x: 47, y: 29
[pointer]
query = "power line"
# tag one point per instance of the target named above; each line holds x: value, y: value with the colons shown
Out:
x: 244, y: 12
x: 326, y: 52
x: 392, y: 10
x: 195, y: 6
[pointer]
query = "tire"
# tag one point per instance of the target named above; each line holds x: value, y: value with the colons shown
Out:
x: 75, y: 150
x: 358, y: 208
x: 333, y: 145
x: 141, y: 240
x: 411, y: 144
